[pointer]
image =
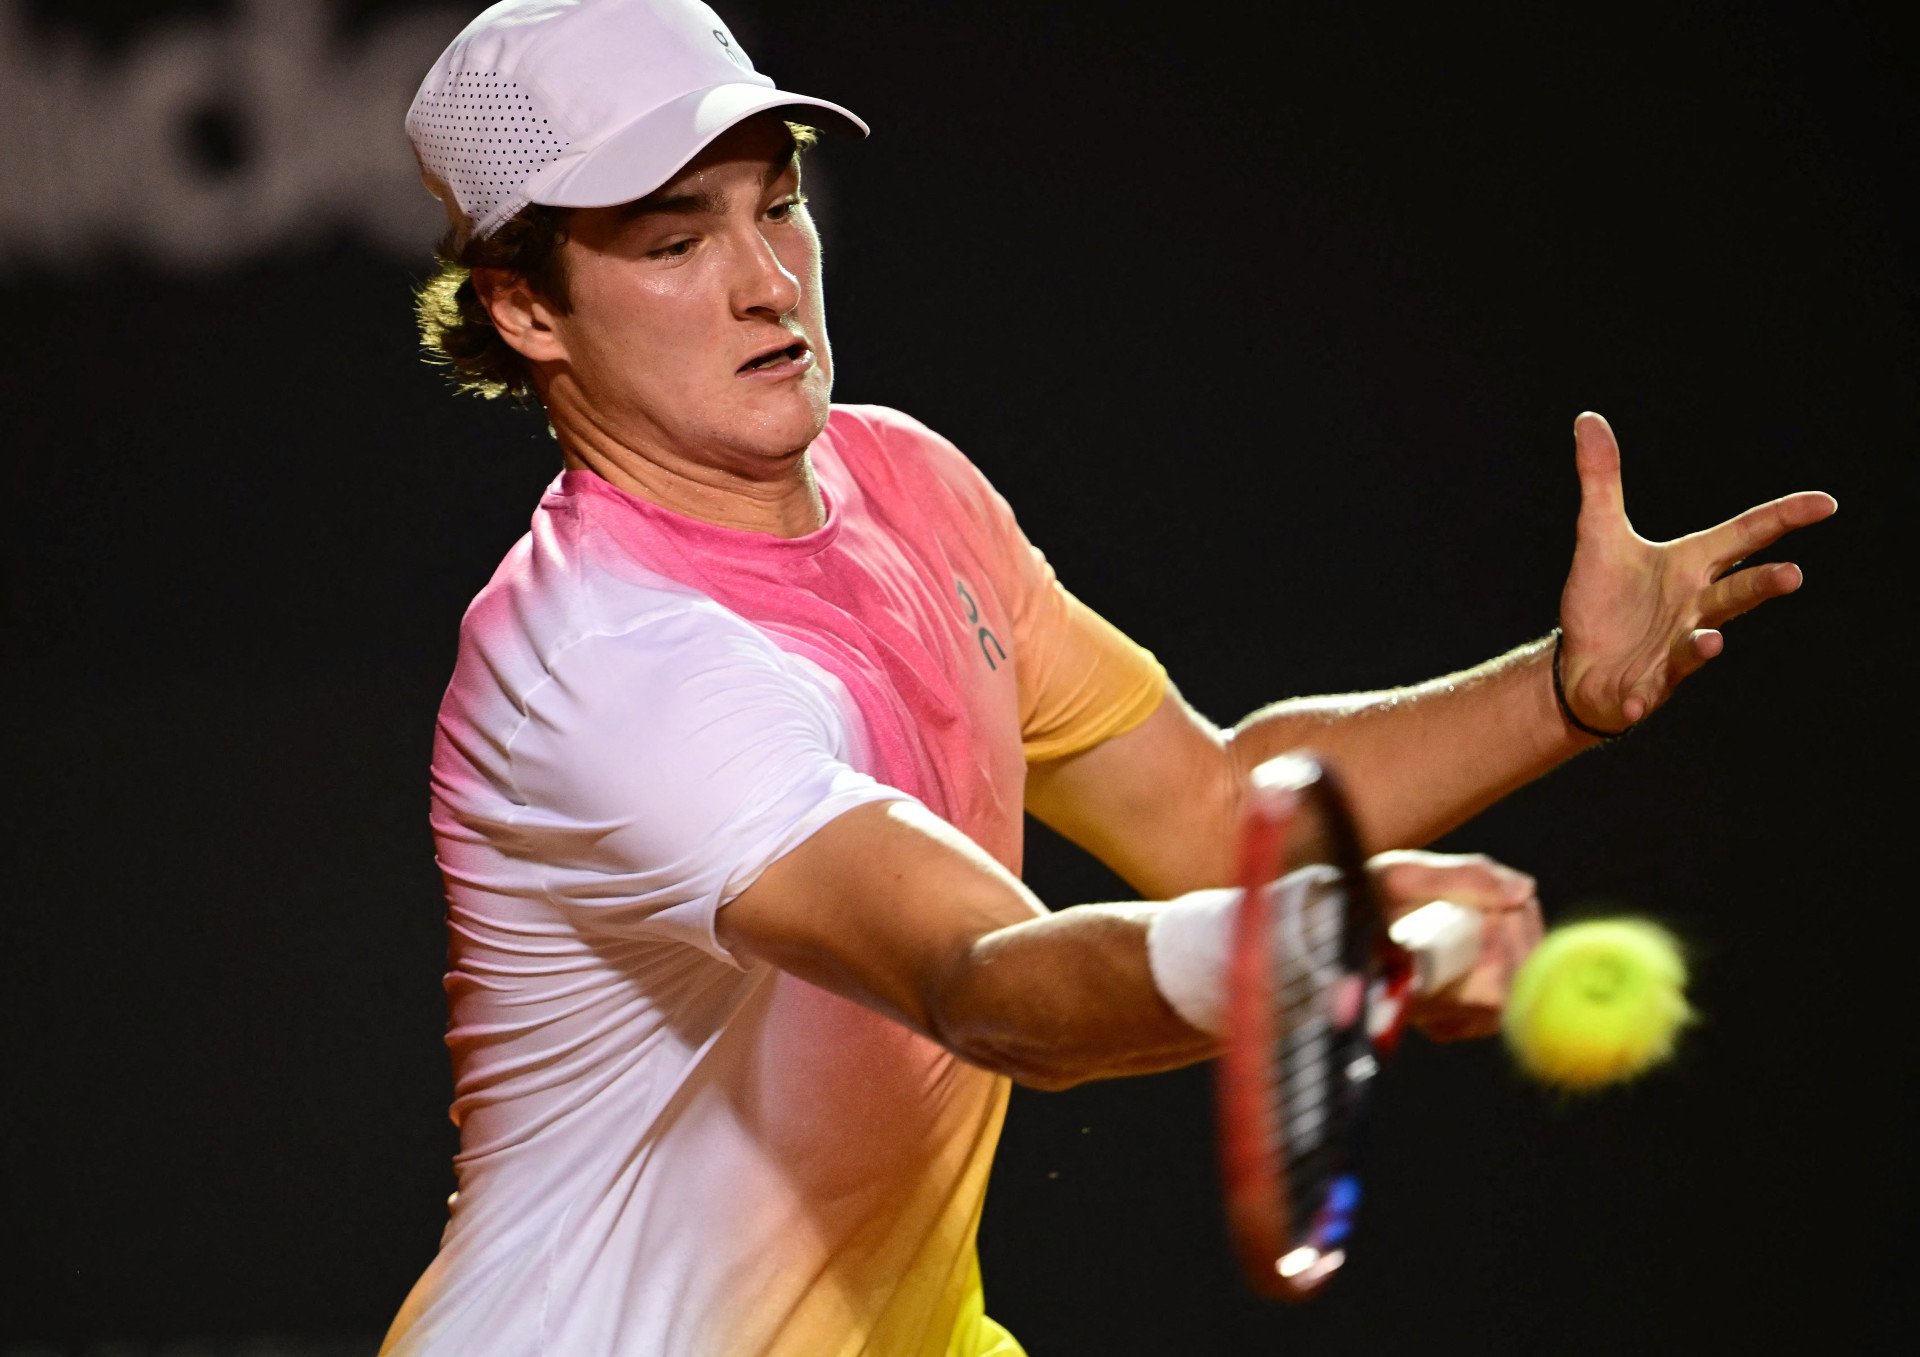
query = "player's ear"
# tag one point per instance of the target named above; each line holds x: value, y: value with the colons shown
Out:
x: 520, y: 313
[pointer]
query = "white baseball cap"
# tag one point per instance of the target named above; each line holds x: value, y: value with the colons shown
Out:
x: 582, y: 103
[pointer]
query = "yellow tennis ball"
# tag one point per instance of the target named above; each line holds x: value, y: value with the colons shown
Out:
x: 1597, y: 1002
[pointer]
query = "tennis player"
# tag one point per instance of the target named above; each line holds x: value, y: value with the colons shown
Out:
x: 729, y: 779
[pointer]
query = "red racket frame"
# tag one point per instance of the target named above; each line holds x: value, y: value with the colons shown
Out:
x: 1252, y: 1151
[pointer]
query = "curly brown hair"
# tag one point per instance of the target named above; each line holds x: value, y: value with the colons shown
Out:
x: 455, y: 329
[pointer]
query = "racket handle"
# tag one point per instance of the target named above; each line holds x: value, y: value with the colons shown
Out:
x: 1443, y: 939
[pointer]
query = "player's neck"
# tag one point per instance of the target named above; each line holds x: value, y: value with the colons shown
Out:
x: 777, y: 495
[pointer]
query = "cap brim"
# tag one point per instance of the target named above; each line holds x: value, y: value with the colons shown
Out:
x: 650, y: 150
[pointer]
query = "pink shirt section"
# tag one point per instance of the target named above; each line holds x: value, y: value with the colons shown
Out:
x: 907, y: 595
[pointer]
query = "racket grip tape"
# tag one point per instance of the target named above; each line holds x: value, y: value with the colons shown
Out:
x: 1442, y: 938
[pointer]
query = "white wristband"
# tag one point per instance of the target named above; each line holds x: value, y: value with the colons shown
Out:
x: 1187, y: 952
x: 1189, y: 938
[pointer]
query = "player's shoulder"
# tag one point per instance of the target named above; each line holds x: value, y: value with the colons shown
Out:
x: 876, y: 437
x: 876, y: 421
x: 884, y: 428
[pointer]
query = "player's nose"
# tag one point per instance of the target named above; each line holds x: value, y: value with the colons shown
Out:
x: 762, y: 283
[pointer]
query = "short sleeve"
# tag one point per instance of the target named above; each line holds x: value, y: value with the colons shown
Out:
x: 662, y: 769
x: 1082, y: 680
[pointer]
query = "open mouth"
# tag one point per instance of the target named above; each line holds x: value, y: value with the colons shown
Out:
x: 792, y: 353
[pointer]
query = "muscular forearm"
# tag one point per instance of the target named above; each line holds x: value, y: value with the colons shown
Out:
x: 1420, y: 760
x: 893, y: 908
x: 1063, y: 999
x: 1093, y: 992
x: 1161, y: 804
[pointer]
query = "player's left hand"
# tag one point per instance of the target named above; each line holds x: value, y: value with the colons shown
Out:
x: 1511, y: 928
x: 1640, y: 616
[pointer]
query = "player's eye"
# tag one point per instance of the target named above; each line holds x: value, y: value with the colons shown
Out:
x: 678, y: 249
x: 785, y: 208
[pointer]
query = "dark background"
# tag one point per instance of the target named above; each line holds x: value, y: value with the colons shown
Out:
x: 1272, y: 325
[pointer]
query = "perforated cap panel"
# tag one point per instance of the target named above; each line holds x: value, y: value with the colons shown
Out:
x: 483, y: 137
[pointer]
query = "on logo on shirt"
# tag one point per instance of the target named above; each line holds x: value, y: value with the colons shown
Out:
x: 985, y: 637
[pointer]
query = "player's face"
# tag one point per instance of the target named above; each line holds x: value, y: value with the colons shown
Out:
x: 696, y: 333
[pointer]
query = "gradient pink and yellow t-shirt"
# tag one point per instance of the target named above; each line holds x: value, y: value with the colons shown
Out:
x: 667, y: 1150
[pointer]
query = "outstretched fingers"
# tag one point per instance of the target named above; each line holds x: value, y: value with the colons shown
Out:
x: 1643, y: 616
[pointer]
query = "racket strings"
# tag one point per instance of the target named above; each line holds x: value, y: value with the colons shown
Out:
x: 1308, y: 1103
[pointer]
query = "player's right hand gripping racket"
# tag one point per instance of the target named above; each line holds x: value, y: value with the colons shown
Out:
x: 1317, y: 995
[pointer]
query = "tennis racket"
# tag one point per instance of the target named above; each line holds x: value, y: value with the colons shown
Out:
x: 1318, y: 991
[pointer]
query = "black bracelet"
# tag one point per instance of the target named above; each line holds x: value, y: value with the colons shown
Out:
x: 1560, y: 696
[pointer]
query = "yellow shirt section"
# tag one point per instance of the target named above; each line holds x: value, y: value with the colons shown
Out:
x: 1082, y: 680
x: 909, y: 1284
x: 976, y: 1335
